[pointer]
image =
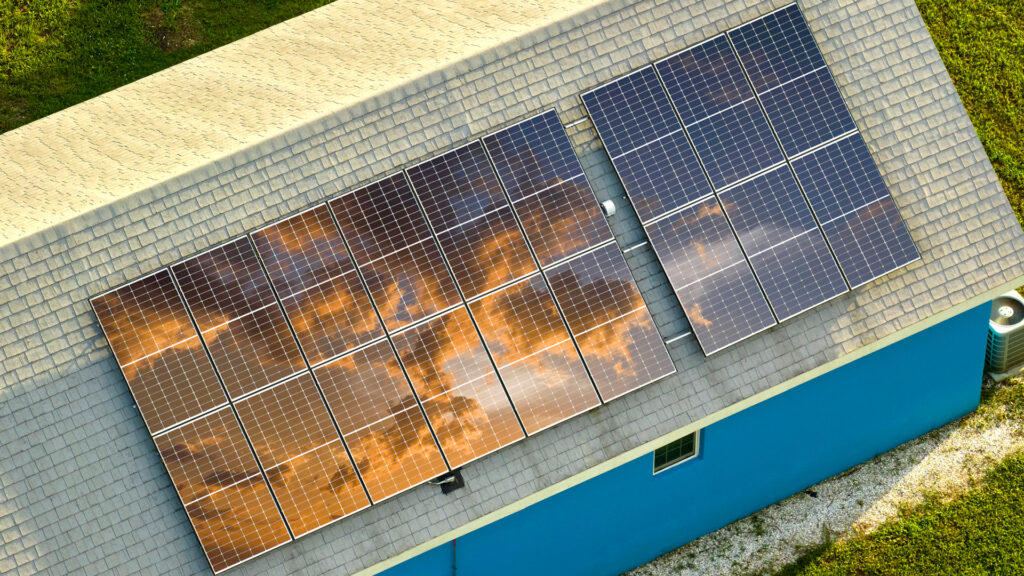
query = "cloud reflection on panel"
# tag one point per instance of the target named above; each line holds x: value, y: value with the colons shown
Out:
x: 474, y: 223
x: 158, y: 350
x: 535, y: 356
x: 611, y: 323
x: 393, y: 247
x: 301, y: 452
x: 381, y: 422
x: 238, y: 317
x: 710, y: 275
x: 319, y: 287
x: 456, y: 382
x: 225, y: 495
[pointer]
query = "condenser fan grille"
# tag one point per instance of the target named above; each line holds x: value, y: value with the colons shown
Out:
x: 1007, y: 311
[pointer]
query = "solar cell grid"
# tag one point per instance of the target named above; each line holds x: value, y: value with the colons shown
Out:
x: 238, y: 317
x: 786, y: 249
x: 158, y: 351
x: 295, y: 440
x: 776, y: 48
x: 393, y: 248
x: 707, y: 86
x: 704, y: 80
x: 317, y: 282
x: 646, y: 143
x: 807, y: 111
x: 611, y: 324
x: 237, y: 523
x: 533, y: 155
x: 473, y: 220
x: 795, y: 86
x: 222, y: 488
x: 549, y: 191
x: 710, y: 275
x: 536, y: 358
x: 857, y: 214
x: 735, y: 144
x: 380, y: 420
x: 634, y: 111
x: 452, y: 374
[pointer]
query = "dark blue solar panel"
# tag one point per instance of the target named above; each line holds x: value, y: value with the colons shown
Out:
x: 711, y: 277
x: 533, y: 155
x: 807, y: 112
x: 798, y: 274
x: 871, y: 241
x: 631, y: 111
x: 662, y: 176
x: 767, y: 210
x: 735, y: 144
x: 777, y: 48
x: 785, y: 246
x: 714, y: 99
x: 856, y: 212
x: 840, y: 178
x: 646, y: 143
x: 725, y: 308
x: 704, y: 80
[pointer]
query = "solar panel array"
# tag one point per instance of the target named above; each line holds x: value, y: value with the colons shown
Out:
x: 338, y: 357
x: 745, y: 166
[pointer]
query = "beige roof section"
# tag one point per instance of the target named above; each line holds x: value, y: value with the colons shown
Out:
x: 213, y: 105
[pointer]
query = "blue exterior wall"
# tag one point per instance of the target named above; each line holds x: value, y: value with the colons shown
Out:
x: 750, y: 460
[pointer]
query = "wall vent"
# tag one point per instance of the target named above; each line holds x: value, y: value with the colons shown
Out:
x: 1004, y: 355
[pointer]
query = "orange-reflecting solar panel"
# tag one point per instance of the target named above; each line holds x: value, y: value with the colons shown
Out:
x: 224, y: 492
x: 238, y: 317
x: 608, y: 317
x: 393, y: 247
x: 159, y: 351
x: 380, y: 420
x: 536, y: 358
x: 304, y: 458
x: 473, y: 221
x: 455, y: 380
x: 317, y: 282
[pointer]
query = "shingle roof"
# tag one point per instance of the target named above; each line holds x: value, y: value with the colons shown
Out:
x: 241, y: 94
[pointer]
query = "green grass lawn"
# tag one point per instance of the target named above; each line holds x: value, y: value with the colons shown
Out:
x: 57, y: 53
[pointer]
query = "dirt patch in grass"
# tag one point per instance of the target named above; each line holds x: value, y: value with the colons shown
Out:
x: 173, y: 25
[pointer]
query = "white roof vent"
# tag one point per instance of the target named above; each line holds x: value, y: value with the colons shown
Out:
x: 1005, y: 353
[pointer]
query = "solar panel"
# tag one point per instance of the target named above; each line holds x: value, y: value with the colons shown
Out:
x: 724, y: 120
x: 791, y: 78
x: 610, y: 322
x: 238, y: 317
x: 783, y: 242
x: 318, y: 284
x: 720, y: 294
x: 536, y: 358
x: 473, y: 221
x: 841, y: 181
x: 223, y: 491
x: 549, y: 191
x: 589, y: 278
x: 392, y: 245
x: 158, y: 351
x: 300, y: 450
x: 646, y: 144
x: 381, y: 422
x: 855, y: 209
x: 452, y: 374
x: 711, y: 277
